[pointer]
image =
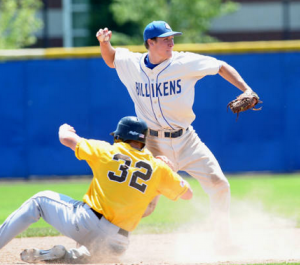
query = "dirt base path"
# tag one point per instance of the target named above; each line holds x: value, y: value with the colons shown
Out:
x: 257, y: 246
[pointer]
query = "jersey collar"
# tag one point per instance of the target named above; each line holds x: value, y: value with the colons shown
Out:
x: 159, y: 67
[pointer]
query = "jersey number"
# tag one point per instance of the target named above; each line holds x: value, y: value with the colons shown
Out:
x: 136, y: 174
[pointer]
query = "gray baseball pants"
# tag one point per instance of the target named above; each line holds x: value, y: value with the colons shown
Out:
x: 71, y: 218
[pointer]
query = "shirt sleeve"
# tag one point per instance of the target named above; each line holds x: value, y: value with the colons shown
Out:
x: 121, y: 54
x: 201, y: 65
x: 172, y: 185
x: 89, y: 149
x: 124, y: 58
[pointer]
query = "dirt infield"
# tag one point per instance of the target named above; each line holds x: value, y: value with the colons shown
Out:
x: 257, y: 246
x: 261, y: 237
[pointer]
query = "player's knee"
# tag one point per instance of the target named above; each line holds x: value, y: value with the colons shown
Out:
x: 42, y: 194
x: 36, y: 205
x: 224, y: 186
x: 220, y: 182
x: 32, y: 212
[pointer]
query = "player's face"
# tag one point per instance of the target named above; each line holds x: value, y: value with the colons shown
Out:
x: 163, y: 47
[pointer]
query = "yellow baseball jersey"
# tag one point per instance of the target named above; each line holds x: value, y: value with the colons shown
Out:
x: 125, y: 180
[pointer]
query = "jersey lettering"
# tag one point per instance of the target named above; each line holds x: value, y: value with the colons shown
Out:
x: 158, y: 90
x: 165, y: 89
x: 172, y: 87
x: 136, y: 175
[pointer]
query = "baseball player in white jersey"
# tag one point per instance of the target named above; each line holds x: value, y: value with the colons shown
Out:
x: 161, y: 84
x: 126, y: 178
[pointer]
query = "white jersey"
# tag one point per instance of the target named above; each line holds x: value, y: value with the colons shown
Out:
x: 164, y: 96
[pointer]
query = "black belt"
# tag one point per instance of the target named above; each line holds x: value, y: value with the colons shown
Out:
x: 121, y: 231
x: 168, y: 134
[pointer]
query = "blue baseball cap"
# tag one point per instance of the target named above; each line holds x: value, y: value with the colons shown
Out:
x: 159, y: 29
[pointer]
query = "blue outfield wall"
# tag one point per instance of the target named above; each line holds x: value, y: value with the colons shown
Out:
x: 39, y: 95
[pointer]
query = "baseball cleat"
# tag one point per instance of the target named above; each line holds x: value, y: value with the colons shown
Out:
x: 33, y: 255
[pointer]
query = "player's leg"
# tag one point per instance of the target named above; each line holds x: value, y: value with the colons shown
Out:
x: 18, y: 221
x: 60, y: 211
x: 56, y: 209
x: 188, y: 153
x: 162, y: 146
x: 75, y: 219
x: 197, y: 160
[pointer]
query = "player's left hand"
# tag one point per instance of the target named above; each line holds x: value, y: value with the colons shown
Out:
x: 167, y: 161
x: 243, y: 102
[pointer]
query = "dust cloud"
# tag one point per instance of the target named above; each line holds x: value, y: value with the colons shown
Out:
x: 258, y: 237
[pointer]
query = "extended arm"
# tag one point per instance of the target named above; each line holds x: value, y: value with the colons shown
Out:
x: 152, y: 205
x: 107, y: 51
x: 186, y: 196
x: 233, y: 77
x: 67, y: 136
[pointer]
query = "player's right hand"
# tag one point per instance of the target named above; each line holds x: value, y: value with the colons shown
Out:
x: 104, y: 35
x: 66, y: 127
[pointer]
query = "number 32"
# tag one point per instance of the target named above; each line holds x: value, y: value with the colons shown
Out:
x: 135, y: 175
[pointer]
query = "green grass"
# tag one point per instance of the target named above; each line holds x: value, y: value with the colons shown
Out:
x: 278, y: 195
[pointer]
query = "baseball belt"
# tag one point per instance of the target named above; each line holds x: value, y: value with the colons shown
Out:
x: 121, y: 231
x: 168, y: 134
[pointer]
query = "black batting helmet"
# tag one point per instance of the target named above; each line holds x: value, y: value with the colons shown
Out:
x: 131, y: 128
